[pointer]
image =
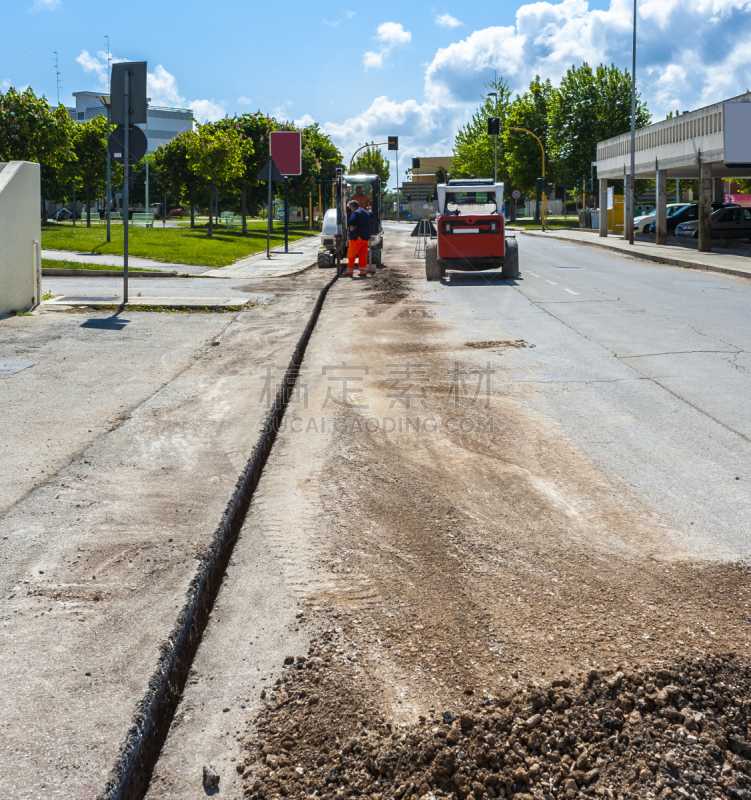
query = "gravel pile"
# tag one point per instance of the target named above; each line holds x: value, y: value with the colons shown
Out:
x: 667, y: 732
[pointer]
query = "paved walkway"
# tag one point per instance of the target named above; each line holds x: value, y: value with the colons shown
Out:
x: 675, y: 254
x: 302, y: 253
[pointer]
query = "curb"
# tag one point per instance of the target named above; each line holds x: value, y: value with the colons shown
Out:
x: 673, y: 262
x: 104, y: 273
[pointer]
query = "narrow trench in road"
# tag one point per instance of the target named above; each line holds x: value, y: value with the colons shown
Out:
x: 145, y: 739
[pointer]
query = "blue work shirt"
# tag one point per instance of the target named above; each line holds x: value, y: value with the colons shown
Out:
x: 359, y: 219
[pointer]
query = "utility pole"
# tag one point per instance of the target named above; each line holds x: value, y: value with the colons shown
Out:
x: 630, y: 197
x: 495, y: 140
x: 57, y: 77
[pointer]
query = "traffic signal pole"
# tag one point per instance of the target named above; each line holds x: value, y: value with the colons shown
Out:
x: 544, y: 196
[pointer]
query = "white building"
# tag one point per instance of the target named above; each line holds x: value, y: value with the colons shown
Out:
x: 163, y: 124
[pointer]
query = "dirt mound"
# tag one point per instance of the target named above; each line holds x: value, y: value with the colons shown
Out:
x: 668, y: 732
x: 388, y: 285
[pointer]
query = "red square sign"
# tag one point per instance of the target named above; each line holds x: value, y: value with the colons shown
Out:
x: 286, y: 150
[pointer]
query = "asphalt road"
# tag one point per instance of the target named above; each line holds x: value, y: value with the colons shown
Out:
x: 647, y: 367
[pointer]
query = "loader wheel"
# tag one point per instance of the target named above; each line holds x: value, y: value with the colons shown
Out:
x: 432, y: 271
x: 511, y: 264
x: 324, y: 260
x: 375, y: 257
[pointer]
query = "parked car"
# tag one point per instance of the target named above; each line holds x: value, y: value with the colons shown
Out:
x: 687, y: 214
x: 642, y: 223
x: 727, y: 223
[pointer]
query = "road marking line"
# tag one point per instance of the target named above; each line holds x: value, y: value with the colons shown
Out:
x: 536, y: 276
x: 552, y: 282
x: 570, y: 291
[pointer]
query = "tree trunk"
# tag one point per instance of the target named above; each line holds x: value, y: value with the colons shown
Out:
x: 211, y: 208
x: 244, y: 212
x: 88, y: 206
x: 193, y: 208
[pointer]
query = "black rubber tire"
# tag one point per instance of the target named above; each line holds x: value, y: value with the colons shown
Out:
x: 323, y: 260
x: 432, y: 271
x: 511, y: 265
x: 375, y: 257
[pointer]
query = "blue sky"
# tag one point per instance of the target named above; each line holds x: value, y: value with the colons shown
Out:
x: 368, y: 70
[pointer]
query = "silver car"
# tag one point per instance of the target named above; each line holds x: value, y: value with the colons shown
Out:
x: 641, y: 224
x: 727, y: 223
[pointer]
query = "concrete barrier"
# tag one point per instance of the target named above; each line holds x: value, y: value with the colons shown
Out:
x: 20, y: 236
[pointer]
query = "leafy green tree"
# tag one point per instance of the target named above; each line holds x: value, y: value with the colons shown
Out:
x: 217, y: 158
x: 474, y: 150
x: 588, y: 106
x: 172, y: 165
x: 89, y: 170
x: 157, y: 185
x: 30, y: 130
x: 372, y: 162
x: 522, y: 151
x: 255, y: 128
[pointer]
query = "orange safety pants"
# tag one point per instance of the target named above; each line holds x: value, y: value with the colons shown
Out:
x: 357, y: 248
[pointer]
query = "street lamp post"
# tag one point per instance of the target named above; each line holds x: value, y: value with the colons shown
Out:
x: 544, y: 197
x: 104, y: 99
x: 631, y: 187
x: 495, y: 140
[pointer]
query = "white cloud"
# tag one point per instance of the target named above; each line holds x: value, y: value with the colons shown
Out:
x: 304, y: 121
x: 390, y: 34
x: 44, y: 5
x: 351, y: 14
x: 372, y: 60
x: 162, y: 88
x: 4, y: 85
x: 447, y: 21
x: 206, y: 110
x: 687, y: 56
x: 242, y: 100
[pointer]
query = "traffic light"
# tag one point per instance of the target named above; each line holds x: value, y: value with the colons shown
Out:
x: 393, y: 142
x: 542, y: 185
x: 415, y: 163
x: 409, y: 198
x: 579, y: 184
x: 494, y: 126
x: 589, y: 185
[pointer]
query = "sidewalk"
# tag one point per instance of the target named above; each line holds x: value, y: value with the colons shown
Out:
x: 675, y: 255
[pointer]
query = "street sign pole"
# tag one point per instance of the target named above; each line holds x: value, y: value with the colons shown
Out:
x: 286, y: 214
x: 126, y: 187
x: 109, y: 178
x: 268, y: 221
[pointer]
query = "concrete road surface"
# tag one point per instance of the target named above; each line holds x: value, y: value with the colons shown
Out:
x: 647, y: 366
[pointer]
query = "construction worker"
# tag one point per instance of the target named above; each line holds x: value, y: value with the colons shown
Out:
x: 361, y: 199
x: 359, y: 238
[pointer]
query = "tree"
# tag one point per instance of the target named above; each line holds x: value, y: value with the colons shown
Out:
x: 157, y: 185
x: 474, y: 150
x: 172, y: 164
x: 255, y: 128
x: 372, y: 162
x: 588, y: 107
x: 216, y: 157
x: 89, y: 170
x: 32, y: 131
x: 522, y: 151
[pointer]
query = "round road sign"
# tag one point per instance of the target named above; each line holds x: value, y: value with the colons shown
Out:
x: 516, y: 194
x: 136, y: 144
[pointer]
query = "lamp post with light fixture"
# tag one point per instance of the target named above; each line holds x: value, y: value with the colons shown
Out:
x: 104, y: 99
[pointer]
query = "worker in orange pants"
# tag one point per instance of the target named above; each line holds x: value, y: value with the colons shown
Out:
x: 358, y: 248
x: 359, y: 238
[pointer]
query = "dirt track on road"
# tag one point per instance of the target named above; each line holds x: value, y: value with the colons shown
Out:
x: 470, y: 561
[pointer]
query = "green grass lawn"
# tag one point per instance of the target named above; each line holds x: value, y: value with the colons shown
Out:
x: 173, y: 245
x: 553, y: 222
x: 50, y: 263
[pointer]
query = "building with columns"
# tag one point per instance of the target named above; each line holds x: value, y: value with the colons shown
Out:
x: 711, y: 145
